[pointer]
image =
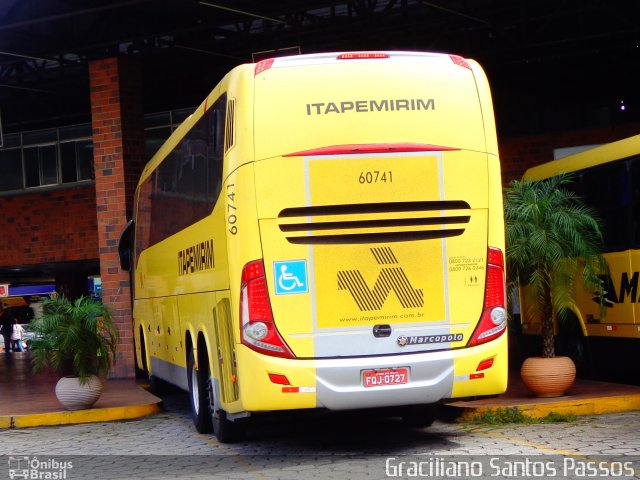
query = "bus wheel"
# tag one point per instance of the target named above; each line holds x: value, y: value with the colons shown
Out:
x: 419, y: 416
x: 224, y: 429
x: 198, y: 394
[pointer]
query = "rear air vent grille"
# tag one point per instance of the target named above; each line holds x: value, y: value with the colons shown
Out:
x: 374, y: 222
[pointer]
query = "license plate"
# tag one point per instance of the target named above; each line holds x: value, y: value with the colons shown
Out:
x: 389, y: 376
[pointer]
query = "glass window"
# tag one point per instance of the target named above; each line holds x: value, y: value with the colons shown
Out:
x: 84, y: 152
x: 179, y: 116
x: 31, y: 167
x: 67, y: 155
x: 76, y: 161
x: 634, y: 177
x: 154, y: 138
x: 41, y: 165
x: 75, y: 131
x: 13, y: 140
x: 49, y: 164
x: 68, y: 162
x: 11, y: 167
x: 39, y: 136
x: 606, y: 188
x: 157, y: 119
x: 187, y: 183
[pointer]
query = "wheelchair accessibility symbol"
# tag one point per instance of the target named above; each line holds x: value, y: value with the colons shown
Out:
x: 291, y: 277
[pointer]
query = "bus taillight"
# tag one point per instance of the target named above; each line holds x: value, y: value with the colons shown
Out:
x: 493, y: 321
x: 257, y: 329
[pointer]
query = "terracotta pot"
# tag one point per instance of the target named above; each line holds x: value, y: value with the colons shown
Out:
x: 74, y: 396
x: 548, y: 377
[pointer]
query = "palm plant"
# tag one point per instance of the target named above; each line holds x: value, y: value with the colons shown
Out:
x: 553, y: 239
x: 75, y: 338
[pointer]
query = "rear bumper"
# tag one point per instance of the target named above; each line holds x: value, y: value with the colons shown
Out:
x: 336, y: 384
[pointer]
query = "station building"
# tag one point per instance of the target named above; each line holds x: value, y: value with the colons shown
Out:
x: 66, y: 186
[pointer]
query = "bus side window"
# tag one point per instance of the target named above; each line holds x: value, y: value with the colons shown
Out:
x: 216, y: 155
x: 606, y: 189
x: 185, y: 187
x: 634, y: 179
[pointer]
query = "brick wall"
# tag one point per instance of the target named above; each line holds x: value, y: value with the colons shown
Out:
x: 119, y: 155
x: 52, y: 226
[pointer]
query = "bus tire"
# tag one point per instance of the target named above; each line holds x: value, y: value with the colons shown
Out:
x: 224, y: 429
x: 419, y: 416
x: 197, y: 378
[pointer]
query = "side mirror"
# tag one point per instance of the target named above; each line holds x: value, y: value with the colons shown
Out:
x: 125, y: 246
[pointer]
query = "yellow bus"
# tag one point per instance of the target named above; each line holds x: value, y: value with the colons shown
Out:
x: 325, y: 231
x: 608, y: 179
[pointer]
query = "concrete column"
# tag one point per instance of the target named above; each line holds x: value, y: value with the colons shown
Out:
x: 119, y: 156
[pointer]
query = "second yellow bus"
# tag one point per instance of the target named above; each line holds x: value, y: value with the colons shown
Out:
x: 607, y: 177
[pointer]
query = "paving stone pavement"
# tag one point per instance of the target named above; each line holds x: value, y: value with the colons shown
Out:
x: 325, y: 447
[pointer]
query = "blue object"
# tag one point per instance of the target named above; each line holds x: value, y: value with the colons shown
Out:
x: 291, y: 277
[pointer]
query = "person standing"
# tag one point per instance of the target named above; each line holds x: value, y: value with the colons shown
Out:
x: 6, y: 329
x: 17, y: 332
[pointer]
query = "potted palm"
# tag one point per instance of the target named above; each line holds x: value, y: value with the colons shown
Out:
x: 78, y: 340
x: 553, y: 243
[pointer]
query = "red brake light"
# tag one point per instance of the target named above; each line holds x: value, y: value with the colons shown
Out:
x: 257, y: 329
x: 495, y: 257
x: 493, y: 321
x: 361, y: 55
x: 252, y: 271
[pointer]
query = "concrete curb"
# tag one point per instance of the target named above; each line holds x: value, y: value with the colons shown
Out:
x: 91, y: 415
x: 565, y: 406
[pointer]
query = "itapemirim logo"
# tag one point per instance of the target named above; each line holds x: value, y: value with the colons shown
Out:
x: 34, y: 468
x: 391, y: 278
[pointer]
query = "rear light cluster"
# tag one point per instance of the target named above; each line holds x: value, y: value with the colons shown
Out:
x: 493, y: 321
x: 257, y: 329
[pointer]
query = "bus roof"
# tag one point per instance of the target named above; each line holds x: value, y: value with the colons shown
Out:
x: 589, y: 158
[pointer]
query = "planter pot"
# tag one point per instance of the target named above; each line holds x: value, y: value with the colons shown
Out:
x: 74, y: 396
x: 548, y: 377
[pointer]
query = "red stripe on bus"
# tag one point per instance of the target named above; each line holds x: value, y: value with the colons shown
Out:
x: 371, y: 148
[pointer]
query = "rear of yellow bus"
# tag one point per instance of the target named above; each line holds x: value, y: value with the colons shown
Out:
x: 379, y: 280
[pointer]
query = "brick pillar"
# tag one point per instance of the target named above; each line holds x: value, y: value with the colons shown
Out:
x: 118, y: 155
